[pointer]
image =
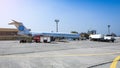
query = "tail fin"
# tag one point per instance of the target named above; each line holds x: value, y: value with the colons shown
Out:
x: 22, y: 30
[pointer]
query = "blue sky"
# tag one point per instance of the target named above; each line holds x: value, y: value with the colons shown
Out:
x: 74, y: 15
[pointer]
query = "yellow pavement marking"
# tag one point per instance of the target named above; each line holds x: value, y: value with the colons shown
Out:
x: 115, y: 61
x: 58, y: 55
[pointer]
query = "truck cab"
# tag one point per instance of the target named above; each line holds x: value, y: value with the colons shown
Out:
x: 109, y: 38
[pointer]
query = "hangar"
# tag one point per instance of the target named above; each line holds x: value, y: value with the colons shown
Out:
x: 8, y: 34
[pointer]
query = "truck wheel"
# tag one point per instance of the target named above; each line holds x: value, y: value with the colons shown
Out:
x: 21, y: 41
x: 112, y: 40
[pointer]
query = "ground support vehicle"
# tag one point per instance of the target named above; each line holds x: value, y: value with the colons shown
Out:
x: 101, y: 37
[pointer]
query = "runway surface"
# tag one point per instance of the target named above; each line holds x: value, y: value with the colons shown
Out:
x: 72, y: 54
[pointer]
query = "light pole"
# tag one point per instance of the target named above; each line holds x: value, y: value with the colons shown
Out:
x: 56, y: 20
x: 108, y: 29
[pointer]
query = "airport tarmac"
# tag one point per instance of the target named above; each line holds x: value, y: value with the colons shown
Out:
x: 72, y: 54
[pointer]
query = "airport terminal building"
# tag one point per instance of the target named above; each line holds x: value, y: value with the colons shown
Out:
x: 8, y: 34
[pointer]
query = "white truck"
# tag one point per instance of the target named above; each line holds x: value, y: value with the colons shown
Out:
x: 101, y: 37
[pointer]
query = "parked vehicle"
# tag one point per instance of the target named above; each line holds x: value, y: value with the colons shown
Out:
x: 101, y: 37
x: 42, y: 39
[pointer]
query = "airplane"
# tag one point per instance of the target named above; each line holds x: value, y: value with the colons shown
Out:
x: 22, y: 30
